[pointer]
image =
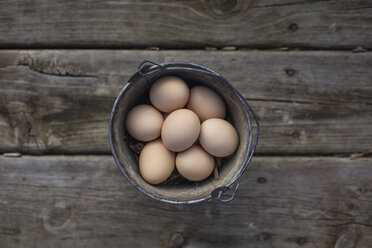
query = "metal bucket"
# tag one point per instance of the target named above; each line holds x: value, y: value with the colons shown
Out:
x: 136, y: 91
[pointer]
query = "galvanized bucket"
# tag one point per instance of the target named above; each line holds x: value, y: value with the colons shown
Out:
x: 241, y: 115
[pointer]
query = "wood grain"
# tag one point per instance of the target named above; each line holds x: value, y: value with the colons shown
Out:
x: 59, y: 101
x: 83, y: 201
x: 185, y: 24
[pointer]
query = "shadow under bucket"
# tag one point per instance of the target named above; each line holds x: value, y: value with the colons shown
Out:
x: 136, y: 92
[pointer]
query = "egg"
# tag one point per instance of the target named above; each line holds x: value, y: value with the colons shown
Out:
x: 156, y: 162
x: 206, y: 103
x: 218, y: 137
x: 180, y: 130
x: 169, y: 93
x: 144, y: 122
x: 194, y: 164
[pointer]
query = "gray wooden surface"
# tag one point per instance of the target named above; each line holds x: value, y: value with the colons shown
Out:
x: 304, y: 66
x: 59, y: 101
x: 83, y: 201
x: 186, y: 24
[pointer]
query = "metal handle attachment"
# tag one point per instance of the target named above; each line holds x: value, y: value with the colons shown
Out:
x: 142, y: 64
x: 217, y: 193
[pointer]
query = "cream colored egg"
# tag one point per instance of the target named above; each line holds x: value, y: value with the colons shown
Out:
x: 156, y: 162
x: 194, y: 164
x: 180, y: 130
x: 144, y: 122
x: 218, y: 137
x: 169, y: 93
x: 206, y: 103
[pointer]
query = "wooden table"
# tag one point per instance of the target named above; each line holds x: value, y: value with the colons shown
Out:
x: 302, y: 65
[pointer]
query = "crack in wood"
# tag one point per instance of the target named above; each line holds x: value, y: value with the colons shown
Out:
x: 29, y: 129
x: 40, y: 71
x: 285, y: 101
x: 287, y: 4
x: 330, y: 103
x: 66, y: 74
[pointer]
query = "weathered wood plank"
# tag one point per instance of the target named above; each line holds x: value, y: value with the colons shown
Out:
x: 83, y: 201
x: 186, y: 24
x: 59, y: 101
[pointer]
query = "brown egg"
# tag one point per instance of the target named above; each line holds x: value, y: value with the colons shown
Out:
x: 218, y: 137
x: 156, y: 162
x: 169, y: 93
x: 180, y: 130
x: 206, y: 103
x: 194, y: 164
x: 144, y: 122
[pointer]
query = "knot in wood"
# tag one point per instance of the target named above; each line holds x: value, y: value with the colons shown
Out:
x: 264, y: 236
x: 261, y: 180
x: 290, y: 72
x: 301, y: 241
x: 222, y: 8
x: 176, y: 240
x: 225, y: 5
x: 58, y: 216
x: 293, y: 27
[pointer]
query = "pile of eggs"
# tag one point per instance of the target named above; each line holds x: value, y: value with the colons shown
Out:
x: 174, y: 133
